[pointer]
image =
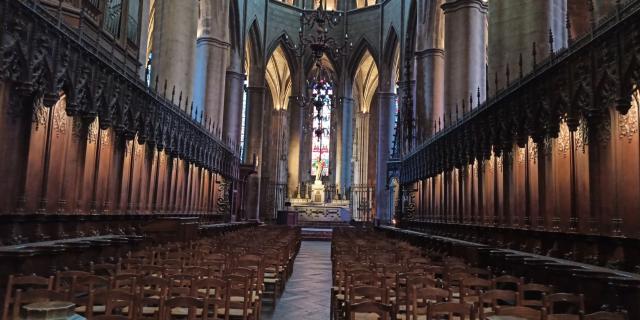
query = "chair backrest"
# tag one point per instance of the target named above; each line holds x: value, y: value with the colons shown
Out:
x: 383, y: 311
x: 495, y: 298
x: 124, y: 282
x: 561, y: 305
x: 24, y: 283
x: 116, y: 301
x: 66, y: 281
x: 368, y: 293
x: 521, y: 312
x: 605, y: 315
x: 451, y: 309
x: 507, y: 282
x: 532, y: 294
x: 473, y: 287
x: 152, y: 293
x: 192, y: 305
x: 105, y: 269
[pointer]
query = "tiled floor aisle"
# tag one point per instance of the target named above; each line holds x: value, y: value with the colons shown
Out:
x: 306, y: 296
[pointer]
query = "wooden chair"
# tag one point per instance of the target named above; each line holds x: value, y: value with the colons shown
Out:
x: 462, y: 311
x: 152, y: 294
x: 605, y: 315
x: 521, y: 312
x: 422, y: 297
x: 104, y: 269
x: 124, y: 282
x: 120, y: 303
x: 532, y: 294
x: 24, y: 283
x: 212, y: 290
x: 83, y: 295
x: 507, y: 282
x: 237, y: 299
x: 492, y: 299
x: 472, y: 288
x: 180, y: 307
x: 66, y: 281
x: 564, y: 306
x: 364, y: 310
x: 34, y: 295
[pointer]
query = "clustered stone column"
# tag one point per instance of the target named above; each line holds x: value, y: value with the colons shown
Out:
x: 174, y: 46
x: 255, y: 97
x: 347, y: 144
x: 465, y: 48
x: 211, y: 60
x: 386, y: 105
x: 234, y: 89
x: 430, y: 65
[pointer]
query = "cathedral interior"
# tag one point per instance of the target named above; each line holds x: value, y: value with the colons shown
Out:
x: 320, y: 159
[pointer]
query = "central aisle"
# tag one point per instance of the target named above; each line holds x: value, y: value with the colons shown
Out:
x: 307, y: 293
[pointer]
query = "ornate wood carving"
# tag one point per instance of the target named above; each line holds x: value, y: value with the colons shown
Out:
x: 40, y: 60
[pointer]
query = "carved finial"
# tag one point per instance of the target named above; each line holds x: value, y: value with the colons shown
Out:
x: 520, y: 65
x: 439, y: 124
x: 534, y: 54
x: 173, y: 93
x: 496, y: 83
x: 478, y: 96
x: 165, y: 88
x: 180, y: 100
x: 471, y: 100
x: 186, y: 104
x: 550, y: 41
x: 457, y: 111
x: 156, y: 82
x: 508, y: 76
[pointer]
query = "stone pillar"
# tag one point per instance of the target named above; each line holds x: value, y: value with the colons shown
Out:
x: 347, y: 144
x: 234, y: 89
x: 465, y: 34
x: 295, y: 142
x: 514, y: 26
x: 386, y: 105
x: 430, y: 65
x: 210, y: 73
x: 174, y: 46
x: 255, y: 100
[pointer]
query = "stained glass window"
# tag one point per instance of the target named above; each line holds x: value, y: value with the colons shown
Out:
x: 322, y: 93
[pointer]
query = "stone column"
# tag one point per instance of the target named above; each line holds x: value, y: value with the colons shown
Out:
x: 347, y: 144
x: 295, y: 142
x: 386, y: 106
x: 209, y: 81
x: 234, y: 89
x: 174, y: 46
x: 430, y: 65
x: 465, y: 34
x: 255, y: 100
x: 514, y: 26
x: 211, y: 60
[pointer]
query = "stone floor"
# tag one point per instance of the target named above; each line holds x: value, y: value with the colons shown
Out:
x: 306, y: 295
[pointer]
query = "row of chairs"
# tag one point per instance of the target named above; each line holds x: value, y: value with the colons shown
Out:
x: 206, y: 279
x: 402, y: 281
